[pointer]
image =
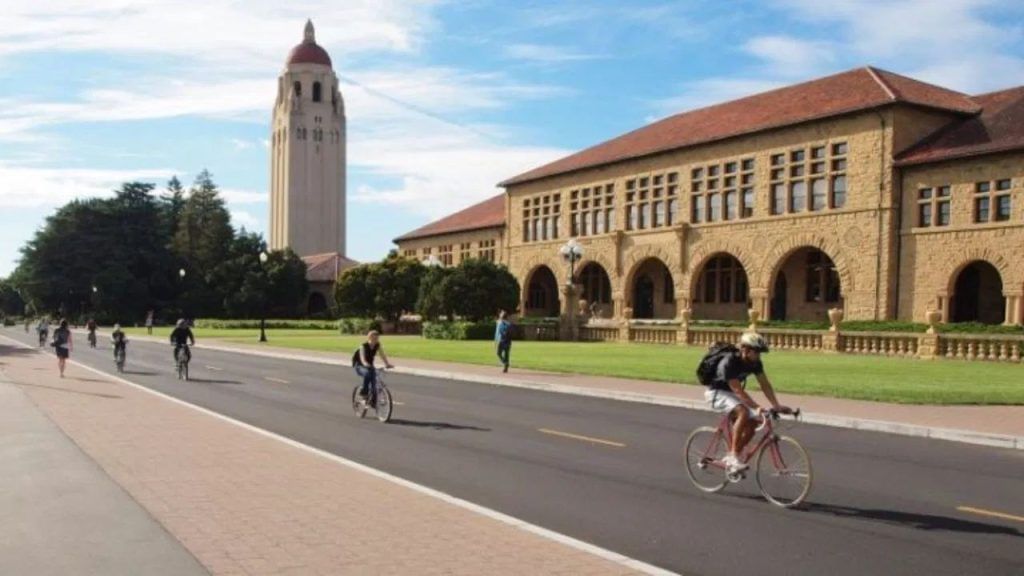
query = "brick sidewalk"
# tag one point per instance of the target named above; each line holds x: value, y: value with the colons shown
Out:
x: 245, y: 503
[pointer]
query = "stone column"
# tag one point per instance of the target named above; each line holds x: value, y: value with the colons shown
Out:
x: 759, y: 301
x: 928, y: 343
x: 1013, y: 304
x: 683, y: 332
x: 627, y: 315
x: 943, y: 303
x: 568, y: 326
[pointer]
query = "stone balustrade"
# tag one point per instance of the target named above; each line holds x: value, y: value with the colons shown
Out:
x: 793, y: 339
x: 653, y: 334
x: 980, y: 347
x: 879, y: 343
x: 599, y: 334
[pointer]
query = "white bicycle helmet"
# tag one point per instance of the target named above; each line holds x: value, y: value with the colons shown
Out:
x: 755, y: 341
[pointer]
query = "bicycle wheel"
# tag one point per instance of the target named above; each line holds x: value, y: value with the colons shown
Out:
x: 784, y: 472
x: 358, y: 405
x: 705, y: 448
x: 184, y: 367
x: 384, y: 404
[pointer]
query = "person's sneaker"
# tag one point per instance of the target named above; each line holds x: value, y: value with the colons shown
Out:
x: 733, y: 464
x: 505, y: 368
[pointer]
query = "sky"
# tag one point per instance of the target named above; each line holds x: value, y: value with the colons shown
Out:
x: 444, y: 99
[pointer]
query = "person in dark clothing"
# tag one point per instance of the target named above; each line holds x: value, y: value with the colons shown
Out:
x: 363, y: 362
x: 62, y: 344
x: 182, y: 337
x: 503, y: 339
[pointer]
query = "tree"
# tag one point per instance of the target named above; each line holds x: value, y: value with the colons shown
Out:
x: 432, y: 301
x: 173, y: 203
x: 250, y: 289
x: 477, y: 289
x: 384, y: 289
x: 11, y: 303
x: 203, y: 239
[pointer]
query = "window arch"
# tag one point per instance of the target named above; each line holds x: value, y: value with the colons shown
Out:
x: 316, y: 91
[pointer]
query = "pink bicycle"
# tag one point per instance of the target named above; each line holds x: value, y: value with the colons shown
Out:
x: 782, y: 468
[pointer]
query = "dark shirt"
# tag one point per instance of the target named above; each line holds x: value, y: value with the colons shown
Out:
x: 182, y: 336
x: 369, y: 352
x: 117, y: 336
x: 733, y: 367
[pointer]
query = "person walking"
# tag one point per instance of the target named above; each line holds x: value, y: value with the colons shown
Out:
x: 503, y: 339
x: 149, y: 322
x: 62, y: 344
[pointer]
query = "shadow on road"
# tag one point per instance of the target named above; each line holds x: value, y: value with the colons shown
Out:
x: 435, y: 425
x: 912, y: 520
x: 205, y: 381
x: 96, y: 394
x: 140, y: 373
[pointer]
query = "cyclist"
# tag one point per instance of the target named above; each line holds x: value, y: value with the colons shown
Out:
x: 726, y: 393
x: 117, y: 337
x: 180, y: 337
x: 363, y: 360
x: 91, y: 327
x: 43, y: 328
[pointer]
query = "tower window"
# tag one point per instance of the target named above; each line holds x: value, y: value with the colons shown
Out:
x: 316, y: 91
x: 297, y: 88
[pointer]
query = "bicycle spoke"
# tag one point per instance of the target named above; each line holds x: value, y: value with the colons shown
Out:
x: 784, y: 472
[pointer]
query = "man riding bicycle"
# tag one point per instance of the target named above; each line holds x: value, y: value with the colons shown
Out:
x: 117, y: 337
x: 91, y: 327
x: 363, y: 359
x: 181, y: 337
x: 726, y: 392
x: 43, y: 329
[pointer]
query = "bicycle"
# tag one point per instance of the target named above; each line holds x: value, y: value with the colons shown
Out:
x: 182, y: 358
x: 92, y: 339
x: 782, y: 468
x: 379, y: 398
x: 120, y: 354
x: 43, y: 335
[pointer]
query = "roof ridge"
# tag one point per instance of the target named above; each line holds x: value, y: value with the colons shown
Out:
x: 1000, y: 91
x: 881, y: 82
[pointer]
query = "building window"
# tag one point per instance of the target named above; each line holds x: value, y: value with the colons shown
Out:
x: 596, y: 285
x: 464, y: 251
x: 668, y: 289
x: 426, y: 253
x: 540, y: 217
x: 822, y: 278
x: 444, y: 254
x: 409, y: 253
x: 992, y: 201
x: 592, y: 210
x: 722, y: 281
x: 651, y: 200
x: 933, y: 206
x: 722, y: 191
x: 316, y: 91
x: 819, y: 169
x: 485, y: 250
x: 297, y: 89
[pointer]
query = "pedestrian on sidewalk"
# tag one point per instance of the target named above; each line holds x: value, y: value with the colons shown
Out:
x: 149, y: 322
x: 62, y: 344
x: 503, y: 339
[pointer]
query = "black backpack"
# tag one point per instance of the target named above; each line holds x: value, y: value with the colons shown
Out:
x: 708, y: 367
x: 60, y: 337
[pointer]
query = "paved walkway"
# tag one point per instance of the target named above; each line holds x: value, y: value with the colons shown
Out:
x: 243, y: 501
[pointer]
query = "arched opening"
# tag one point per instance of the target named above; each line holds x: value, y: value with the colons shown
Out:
x: 317, y: 304
x: 653, y: 291
x: 542, y: 293
x: 978, y: 295
x: 810, y: 286
x: 597, y: 290
x: 316, y: 91
x: 297, y: 89
x: 722, y: 291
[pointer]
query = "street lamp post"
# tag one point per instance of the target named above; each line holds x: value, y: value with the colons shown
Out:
x: 263, y: 299
x: 572, y: 253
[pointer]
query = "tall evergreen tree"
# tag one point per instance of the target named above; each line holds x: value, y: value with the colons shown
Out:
x: 203, y: 240
x: 173, y: 201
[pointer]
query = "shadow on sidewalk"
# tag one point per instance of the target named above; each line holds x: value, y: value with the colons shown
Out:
x: 435, y: 425
x: 7, y: 350
x: 912, y: 520
x: 96, y: 394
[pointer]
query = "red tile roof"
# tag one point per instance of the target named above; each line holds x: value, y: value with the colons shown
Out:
x: 999, y: 128
x: 851, y: 91
x: 326, y: 267
x: 487, y: 214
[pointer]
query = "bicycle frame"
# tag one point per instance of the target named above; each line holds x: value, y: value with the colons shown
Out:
x: 725, y: 429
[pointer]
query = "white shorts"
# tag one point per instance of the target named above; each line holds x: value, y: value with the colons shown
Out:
x: 725, y: 401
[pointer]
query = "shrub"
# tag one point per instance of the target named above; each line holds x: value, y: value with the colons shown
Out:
x: 358, y: 326
x: 458, y: 330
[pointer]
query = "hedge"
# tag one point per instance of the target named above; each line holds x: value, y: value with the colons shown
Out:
x: 276, y: 323
x: 458, y: 330
x: 358, y: 326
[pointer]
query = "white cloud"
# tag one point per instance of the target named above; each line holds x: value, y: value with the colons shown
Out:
x: 46, y: 187
x: 791, y: 57
x: 700, y: 93
x: 236, y: 196
x: 243, y: 219
x: 240, y: 144
x: 545, y: 53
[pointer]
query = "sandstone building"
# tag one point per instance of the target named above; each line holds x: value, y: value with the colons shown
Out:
x: 866, y: 190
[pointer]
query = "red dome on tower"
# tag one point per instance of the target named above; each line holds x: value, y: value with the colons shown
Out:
x: 308, y: 52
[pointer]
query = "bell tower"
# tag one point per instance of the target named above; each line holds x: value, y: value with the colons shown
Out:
x: 307, y: 154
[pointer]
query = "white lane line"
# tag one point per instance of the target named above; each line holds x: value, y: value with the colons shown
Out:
x: 443, y: 496
x: 278, y: 380
x: 214, y: 368
x: 583, y: 438
x: 991, y: 513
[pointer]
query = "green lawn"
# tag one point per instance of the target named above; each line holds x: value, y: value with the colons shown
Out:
x: 838, y: 375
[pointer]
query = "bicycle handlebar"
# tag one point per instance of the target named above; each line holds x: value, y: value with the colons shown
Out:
x: 773, y: 414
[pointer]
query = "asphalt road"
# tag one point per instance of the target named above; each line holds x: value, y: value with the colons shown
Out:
x: 881, y: 504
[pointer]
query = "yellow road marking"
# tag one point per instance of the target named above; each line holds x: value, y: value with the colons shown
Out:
x: 213, y: 368
x: 991, y: 513
x: 584, y: 438
x: 278, y: 380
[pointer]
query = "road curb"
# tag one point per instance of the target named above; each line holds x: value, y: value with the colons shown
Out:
x: 887, y: 427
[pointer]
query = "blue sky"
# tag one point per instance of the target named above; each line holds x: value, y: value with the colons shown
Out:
x: 444, y: 99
